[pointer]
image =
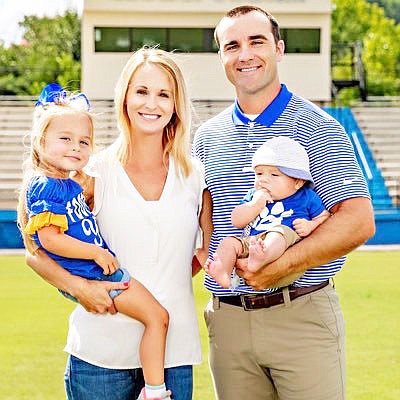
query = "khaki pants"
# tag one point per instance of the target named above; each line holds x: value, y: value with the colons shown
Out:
x: 293, y: 351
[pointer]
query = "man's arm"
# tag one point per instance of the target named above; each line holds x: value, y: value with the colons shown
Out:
x: 93, y: 295
x: 351, y: 224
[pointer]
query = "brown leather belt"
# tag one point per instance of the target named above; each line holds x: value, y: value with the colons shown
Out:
x: 256, y: 301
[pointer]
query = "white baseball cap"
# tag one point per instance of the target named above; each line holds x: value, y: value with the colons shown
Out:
x: 287, y: 155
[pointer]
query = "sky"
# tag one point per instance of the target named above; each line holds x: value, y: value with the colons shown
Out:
x: 13, y: 11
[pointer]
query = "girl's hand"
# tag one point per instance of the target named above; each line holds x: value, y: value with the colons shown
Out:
x: 106, y: 261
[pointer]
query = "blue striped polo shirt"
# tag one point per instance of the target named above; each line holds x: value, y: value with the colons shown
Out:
x: 226, y: 144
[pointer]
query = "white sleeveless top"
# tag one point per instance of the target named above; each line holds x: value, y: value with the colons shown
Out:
x: 155, y: 242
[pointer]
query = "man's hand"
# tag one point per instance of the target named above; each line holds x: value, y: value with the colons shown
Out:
x: 264, y: 278
x: 94, y: 295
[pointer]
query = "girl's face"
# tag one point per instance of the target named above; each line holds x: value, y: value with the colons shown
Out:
x: 275, y: 182
x: 150, y: 100
x: 67, y: 143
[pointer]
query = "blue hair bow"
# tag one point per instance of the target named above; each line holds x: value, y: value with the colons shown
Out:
x: 54, y: 93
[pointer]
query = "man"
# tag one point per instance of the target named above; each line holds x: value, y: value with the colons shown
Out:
x: 285, y: 343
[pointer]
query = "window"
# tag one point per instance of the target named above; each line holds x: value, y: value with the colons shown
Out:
x: 112, y: 39
x: 301, y: 40
x: 187, y: 40
x: 148, y: 37
x: 191, y: 40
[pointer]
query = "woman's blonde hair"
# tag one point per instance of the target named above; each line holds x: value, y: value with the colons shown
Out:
x: 176, y: 136
x: 34, y: 162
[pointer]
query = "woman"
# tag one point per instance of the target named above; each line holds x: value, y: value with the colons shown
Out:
x: 147, y: 195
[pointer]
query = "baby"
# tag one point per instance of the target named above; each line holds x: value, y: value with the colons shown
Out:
x: 281, y: 209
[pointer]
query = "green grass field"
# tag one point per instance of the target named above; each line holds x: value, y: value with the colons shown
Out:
x: 34, y: 324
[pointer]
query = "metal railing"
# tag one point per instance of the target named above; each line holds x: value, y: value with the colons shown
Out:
x: 348, y: 69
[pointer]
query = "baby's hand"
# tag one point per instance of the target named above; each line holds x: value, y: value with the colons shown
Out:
x: 302, y: 227
x: 106, y: 261
x: 262, y: 195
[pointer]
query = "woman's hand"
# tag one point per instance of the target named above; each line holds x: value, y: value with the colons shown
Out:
x: 93, y: 295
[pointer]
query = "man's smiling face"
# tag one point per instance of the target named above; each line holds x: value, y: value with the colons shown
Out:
x: 249, y: 53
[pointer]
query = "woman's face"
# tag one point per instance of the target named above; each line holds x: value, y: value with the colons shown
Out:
x: 150, y: 100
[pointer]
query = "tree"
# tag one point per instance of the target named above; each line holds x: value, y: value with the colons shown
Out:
x: 391, y: 7
x: 354, y: 20
x: 50, y: 52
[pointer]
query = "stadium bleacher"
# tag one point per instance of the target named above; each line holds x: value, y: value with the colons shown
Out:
x: 375, y: 134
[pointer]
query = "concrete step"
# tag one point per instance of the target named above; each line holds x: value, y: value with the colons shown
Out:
x: 12, y: 134
x: 10, y: 176
x: 7, y: 186
x: 17, y: 124
x: 388, y: 140
x: 11, y: 158
x: 10, y: 166
x: 8, y: 204
x: 11, y: 146
x: 390, y: 157
x: 16, y: 109
x: 375, y: 110
x: 390, y: 174
x: 393, y: 133
x: 11, y: 150
x: 391, y: 171
x: 17, y: 140
x: 368, y: 119
x: 385, y: 148
x: 380, y: 124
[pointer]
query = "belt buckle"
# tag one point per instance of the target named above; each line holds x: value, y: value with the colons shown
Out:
x: 243, y: 301
x: 244, y: 304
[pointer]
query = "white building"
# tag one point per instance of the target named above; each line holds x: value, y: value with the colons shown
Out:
x: 112, y: 29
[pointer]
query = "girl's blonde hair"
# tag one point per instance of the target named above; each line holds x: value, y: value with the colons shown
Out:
x: 34, y: 162
x: 176, y: 136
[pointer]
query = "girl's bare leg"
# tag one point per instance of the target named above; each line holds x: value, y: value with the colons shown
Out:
x: 262, y: 252
x: 138, y: 303
x: 221, y: 266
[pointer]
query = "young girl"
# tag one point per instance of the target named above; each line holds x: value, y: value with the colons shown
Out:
x: 53, y: 215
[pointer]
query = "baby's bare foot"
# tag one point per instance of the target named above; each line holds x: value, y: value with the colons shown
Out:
x: 216, y: 270
x: 257, y: 254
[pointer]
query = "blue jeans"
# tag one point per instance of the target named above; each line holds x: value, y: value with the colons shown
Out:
x: 84, y: 381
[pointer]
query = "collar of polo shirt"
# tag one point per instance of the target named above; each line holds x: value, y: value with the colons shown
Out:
x: 269, y: 115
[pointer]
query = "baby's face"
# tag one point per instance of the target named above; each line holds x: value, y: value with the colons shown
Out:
x: 278, y: 185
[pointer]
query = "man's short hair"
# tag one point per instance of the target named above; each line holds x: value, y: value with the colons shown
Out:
x: 243, y: 10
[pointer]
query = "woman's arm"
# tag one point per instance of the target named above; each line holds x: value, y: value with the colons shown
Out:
x: 92, y: 295
x: 54, y: 241
x: 206, y: 225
